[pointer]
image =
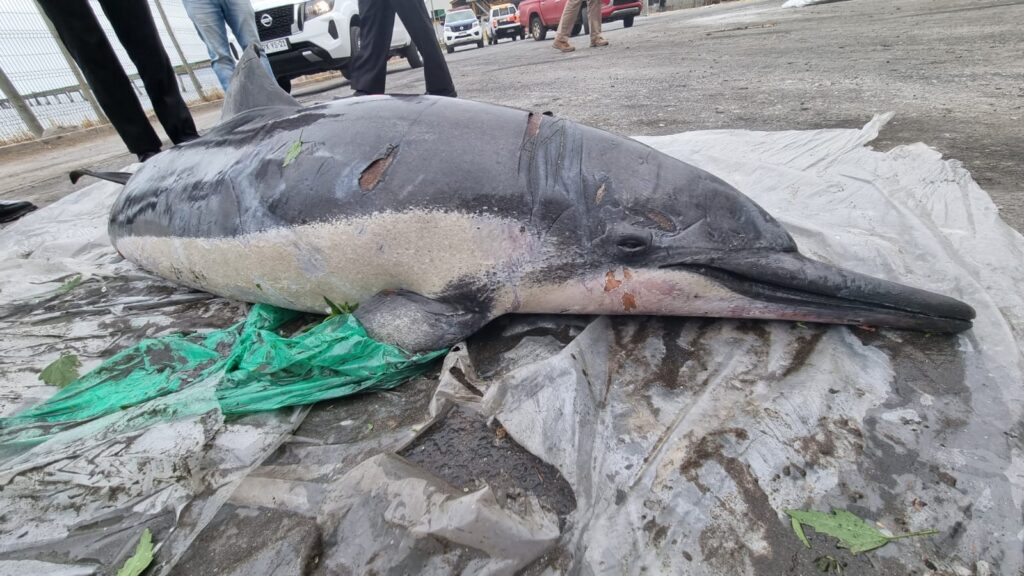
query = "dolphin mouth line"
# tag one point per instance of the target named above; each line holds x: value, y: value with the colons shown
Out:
x: 939, y: 316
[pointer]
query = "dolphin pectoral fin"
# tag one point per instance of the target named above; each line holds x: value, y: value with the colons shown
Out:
x: 416, y: 323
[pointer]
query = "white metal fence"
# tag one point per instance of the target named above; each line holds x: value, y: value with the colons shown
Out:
x: 44, y: 93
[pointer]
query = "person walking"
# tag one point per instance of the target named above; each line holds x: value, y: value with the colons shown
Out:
x: 81, y: 34
x: 376, y: 24
x: 211, y: 19
x: 572, y: 9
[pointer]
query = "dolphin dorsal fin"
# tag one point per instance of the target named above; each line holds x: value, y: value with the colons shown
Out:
x: 251, y: 87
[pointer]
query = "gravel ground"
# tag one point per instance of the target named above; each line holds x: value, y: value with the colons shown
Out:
x: 950, y: 69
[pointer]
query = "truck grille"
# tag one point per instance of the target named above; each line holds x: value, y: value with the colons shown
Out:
x: 281, y: 19
x: 461, y: 27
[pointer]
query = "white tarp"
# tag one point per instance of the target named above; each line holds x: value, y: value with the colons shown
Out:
x: 682, y: 440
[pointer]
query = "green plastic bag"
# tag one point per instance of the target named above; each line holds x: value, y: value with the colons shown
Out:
x: 253, y: 369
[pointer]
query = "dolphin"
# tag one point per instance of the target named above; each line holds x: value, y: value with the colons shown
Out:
x: 437, y: 215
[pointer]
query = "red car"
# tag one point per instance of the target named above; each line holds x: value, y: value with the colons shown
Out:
x: 543, y: 15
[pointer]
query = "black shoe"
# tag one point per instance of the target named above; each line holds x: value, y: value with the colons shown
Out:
x: 188, y: 138
x: 11, y: 211
x: 143, y: 156
x: 360, y: 93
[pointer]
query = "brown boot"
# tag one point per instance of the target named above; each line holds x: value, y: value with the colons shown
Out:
x: 563, y: 45
x: 598, y: 41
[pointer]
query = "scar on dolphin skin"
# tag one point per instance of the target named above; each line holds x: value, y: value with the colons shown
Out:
x: 374, y: 173
x: 628, y: 302
x: 600, y: 193
x: 533, y: 124
x: 610, y: 282
x: 662, y: 220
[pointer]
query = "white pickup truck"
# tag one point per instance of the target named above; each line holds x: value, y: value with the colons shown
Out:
x: 315, y: 36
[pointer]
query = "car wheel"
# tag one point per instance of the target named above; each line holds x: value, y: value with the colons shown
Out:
x: 413, y: 56
x: 284, y: 83
x: 450, y: 49
x: 537, y: 28
x: 480, y: 44
x: 578, y: 26
x: 353, y: 41
x: 522, y: 34
x: 627, y: 22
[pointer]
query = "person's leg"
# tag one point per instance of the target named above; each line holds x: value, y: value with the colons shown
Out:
x: 569, y: 13
x: 368, y: 70
x: 242, y: 20
x: 594, y: 20
x: 133, y: 23
x: 209, y: 16
x: 435, y: 69
x: 82, y: 35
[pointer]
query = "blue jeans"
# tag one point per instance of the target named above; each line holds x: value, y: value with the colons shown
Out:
x: 210, y: 18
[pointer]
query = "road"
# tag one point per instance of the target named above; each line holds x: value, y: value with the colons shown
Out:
x: 950, y: 70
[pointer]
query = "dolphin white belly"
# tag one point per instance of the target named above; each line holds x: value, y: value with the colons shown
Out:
x: 344, y: 260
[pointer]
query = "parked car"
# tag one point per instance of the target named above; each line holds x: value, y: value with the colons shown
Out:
x: 315, y: 36
x: 461, y: 27
x: 543, y: 15
x: 502, y: 21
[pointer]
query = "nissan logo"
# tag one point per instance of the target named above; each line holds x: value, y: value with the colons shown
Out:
x: 266, y: 20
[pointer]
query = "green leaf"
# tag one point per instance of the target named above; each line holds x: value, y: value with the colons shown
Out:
x: 61, y: 372
x: 799, y: 531
x: 852, y: 532
x: 293, y: 152
x: 142, y: 557
x: 828, y: 564
x: 69, y: 284
x: 334, y: 308
x: 338, y: 310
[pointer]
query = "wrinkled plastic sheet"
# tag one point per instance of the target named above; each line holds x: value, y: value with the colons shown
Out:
x: 682, y: 440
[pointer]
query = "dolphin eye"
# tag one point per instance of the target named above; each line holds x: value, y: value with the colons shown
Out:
x: 632, y: 244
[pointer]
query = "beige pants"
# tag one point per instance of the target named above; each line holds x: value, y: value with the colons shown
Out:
x: 572, y: 8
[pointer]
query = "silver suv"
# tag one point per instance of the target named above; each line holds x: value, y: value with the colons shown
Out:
x: 462, y: 27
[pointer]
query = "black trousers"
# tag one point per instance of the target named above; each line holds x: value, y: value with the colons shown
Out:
x: 133, y: 23
x: 377, y: 21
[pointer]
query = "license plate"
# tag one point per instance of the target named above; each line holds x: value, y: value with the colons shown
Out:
x: 271, y: 46
x: 462, y: 34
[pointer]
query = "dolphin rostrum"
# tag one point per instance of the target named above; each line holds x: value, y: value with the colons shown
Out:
x: 438, y: 215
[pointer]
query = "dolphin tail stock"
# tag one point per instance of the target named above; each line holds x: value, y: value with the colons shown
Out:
x: 118, y: 177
